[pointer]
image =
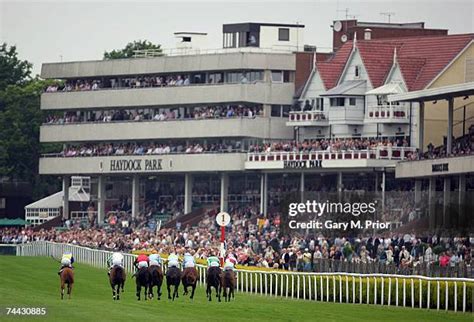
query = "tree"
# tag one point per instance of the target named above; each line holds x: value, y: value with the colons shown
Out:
x: 128, y: 51
x: 20, y: 120
x: 13, y: 71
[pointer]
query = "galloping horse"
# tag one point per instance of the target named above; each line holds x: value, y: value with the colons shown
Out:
x: 213, y: 279
x: 228, y: 282
x: 67, y: 277
x: 190, y: 278
x: 156, y: 279
x: 142, y: 280
x: 173, y: 277
x: 117, y: 281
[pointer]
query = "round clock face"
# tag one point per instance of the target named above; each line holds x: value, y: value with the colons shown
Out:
x: 344, y: 38
x: 337, y: 26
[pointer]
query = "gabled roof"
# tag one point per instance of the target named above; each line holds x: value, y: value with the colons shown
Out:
x: 55, y: 200
x: 421, y: 59
x: 390, y: 88
x: 377, y: 59
x: 331, y: 69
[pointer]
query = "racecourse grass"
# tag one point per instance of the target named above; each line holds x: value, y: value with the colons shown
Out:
x: 33, y: 282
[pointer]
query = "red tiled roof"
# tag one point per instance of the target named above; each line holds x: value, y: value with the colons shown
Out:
x: 331, y: 69
x: 377, y: 59
x: 437, y: 52
x: 420, y: 59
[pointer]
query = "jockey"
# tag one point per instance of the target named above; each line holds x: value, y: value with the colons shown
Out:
x: 155, y: 258
x: 230, y: 262
x: 188, y: 260
x: 213, y: 261
x: 66, y: 261
x: 116, y: 259
x: 140, y: 261
x: 173, y: 260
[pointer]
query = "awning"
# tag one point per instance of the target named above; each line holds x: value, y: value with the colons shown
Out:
x: 391, y: 88
x: 13, y: 222
x: 433, y: 94
x: 76, y: 194
x: 348, y: 88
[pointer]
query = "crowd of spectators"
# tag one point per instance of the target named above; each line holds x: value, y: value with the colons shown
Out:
x: 258, y: 240
x: 208, y: 112
x: 343, y: 144
x: 154, y: 81
x: 461, y: 146
x: 150, y: 148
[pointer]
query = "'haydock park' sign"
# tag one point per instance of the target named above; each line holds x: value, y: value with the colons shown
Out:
x: 304, y: 164
x: 124, y: 165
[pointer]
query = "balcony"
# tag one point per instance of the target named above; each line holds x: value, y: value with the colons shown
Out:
x: 346, y: 115
x: 308, y: 118
x: 379, y: 157
x: 387, y: 114
x: 261, y: 93
x: 145, y: 164
x: 258, y: 127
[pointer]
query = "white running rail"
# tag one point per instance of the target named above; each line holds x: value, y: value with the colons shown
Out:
x: 389, y: 290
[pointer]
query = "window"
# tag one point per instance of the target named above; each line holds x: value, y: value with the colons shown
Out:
x: 2, y: 203
x: 255, y: 76
x: 352, y: 101
x: 336, y: 101
x: 356, y: 71
x: 186, y: 39
x: 283, y: 34
x: 286, y: 76
x: 319, y: 104
x: 277, y: 76
x: 276, y: 110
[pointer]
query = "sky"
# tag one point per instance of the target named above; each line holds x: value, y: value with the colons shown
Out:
x: 53, y: 31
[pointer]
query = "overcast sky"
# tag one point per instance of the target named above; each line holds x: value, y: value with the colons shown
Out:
x: 48, y: 31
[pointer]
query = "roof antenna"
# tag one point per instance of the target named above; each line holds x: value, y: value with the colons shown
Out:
x: 388, y: 14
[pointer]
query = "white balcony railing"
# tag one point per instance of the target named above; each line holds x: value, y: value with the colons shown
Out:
x: 308, y: 116
x: 382, y: 153
x: 388, y: 112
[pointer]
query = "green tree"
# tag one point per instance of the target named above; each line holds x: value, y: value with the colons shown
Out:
x: 20, y: 120
x: 128, y: 51
x: 13, y: 71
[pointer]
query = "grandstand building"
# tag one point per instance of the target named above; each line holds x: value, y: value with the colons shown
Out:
x: 196, y: 128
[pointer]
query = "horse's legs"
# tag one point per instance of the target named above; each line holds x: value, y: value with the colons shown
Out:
x: 139, y: 290
x: 146, y: 292
x: 62, y: 290
x: 114, y: 296
x: 218, y: 290
x: 185, y: 286
x: 225, y: 294
x: 192, y: 290
x: 159, y: 290
x: 209, y: 292
x: 69, y: 290
x: 169, y: 290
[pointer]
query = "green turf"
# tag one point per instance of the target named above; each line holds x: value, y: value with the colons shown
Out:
x: 33, y: 282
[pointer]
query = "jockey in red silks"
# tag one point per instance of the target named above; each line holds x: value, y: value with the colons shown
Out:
x: 140, y: 261
x: 230, y: 262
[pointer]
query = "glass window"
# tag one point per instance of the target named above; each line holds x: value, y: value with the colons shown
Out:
x: 352, y: 101
x: 277, y: 76
x: 286, y: 76
x: 286, y: 110
x: 336, y: 101
x: 276, y: 110
x: 356, y: 71
x: 283, y: 34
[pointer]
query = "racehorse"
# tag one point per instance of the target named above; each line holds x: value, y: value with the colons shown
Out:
x: 173, y: 277
x: 190, y: 278
x: 142, y: 280
x: 228, y: 282
x: 67, y: 277
x: 156, y: 279
x: 117, y: 281
x: 213, y: 279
